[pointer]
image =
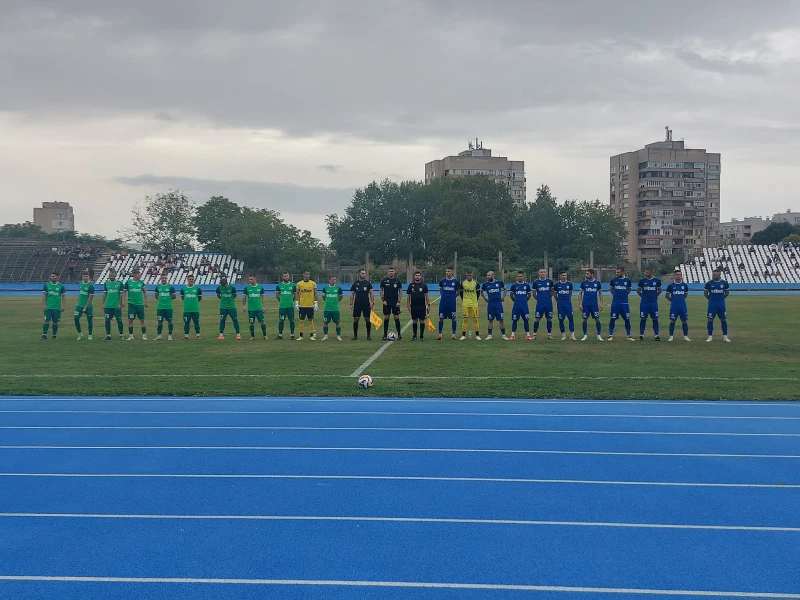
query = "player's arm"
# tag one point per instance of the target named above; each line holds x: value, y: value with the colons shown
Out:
x: 639, y: 289
x: 144, y: 295
x: 399, y: 294
x: 380, y: 291
x: 427, y: 302
x: 705, y: 290
x: 352, y: 295
x: 658, y: 289
x: 341, y: 293
x: 668, y: 295
x: 244, y: 300
x: 199, y: 295
x: 219, y: 295
x: 64, y: 299
x: 600, y: 297
x: 173, y: 293
x: 727, y: 289
x: 503, y: 295
x: 371, y: 297
x: 263, y: 300
x: 630, y: 284
x: 44, y: 297
x: 553, y: 292
x: 233, y: 292
x: 461, y: 291
x: 91, y: 296
x: 123, y: 295
x: 535, y: 293
x: 580, y: 298
x: 277, y: 293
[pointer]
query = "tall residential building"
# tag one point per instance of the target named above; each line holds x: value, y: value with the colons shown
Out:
x: 787, y: 217
x: 667, y: 196
x: 742, y: 230
x: 54, y: 217
x: 477, y: 160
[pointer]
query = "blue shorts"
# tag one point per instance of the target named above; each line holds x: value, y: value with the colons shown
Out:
x: 495, y: 312
x: 620, y: 309
x: 678, y: 312
x: 447, y: 310
x: 544, y: 311
x: 590, y: 310
x: 519, y: 311
x: 564, y: 311
x: 717, y: 310
x: 648, y: 309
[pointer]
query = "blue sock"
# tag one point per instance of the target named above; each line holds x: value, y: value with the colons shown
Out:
x: 685, y: 326
x: 453, y: 323
x: 724, y: 327
x: 671, y: 328
x: 642, y: 325
x: 612, y: 324
x: 502, y: 331
x: 655, y: 326
x: 561, y: 325
x: 710, y: 327
x: 599, y: 327
x: 489, y: 328
x: 527, y: 324
x: 513, y: 326
x: 628, y: 327
x: 585, y: 328
x: 572, y: 324
x: 441, y: 324
x: 535, y: 325
x: 549, y: 327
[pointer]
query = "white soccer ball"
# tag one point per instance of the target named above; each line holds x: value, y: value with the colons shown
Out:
x: 365, y: 382
x: 391, y: 337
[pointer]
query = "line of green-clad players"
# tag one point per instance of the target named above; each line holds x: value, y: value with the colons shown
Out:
x: 133, y: 296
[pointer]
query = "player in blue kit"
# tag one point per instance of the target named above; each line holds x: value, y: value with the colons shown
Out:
x: 649, y: 289
x: 620, y: 288
x: 563, y: 292
x: 591, y: 303
x: 494, y: 292
x: 676, y: 294
x: 543, y: 292
x: 520, y: 294
x: 448, y: 290
x: 716, y: 291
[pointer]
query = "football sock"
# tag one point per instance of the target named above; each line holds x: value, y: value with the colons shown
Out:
x: 368, y: 325
x: 628, y: 327
x: 685, y: 328
x: 55, y: 329
x: 130, y: 330
x: 280, y: 327
x: 441, y: 326
x: 724, y: 327
x: 585, y: 328
x: 355, y: 328
x: 549, y: 326
x: 453, y: 325
x: 78, y: 324
x: 263, y: 329
x: 655, y: 326
x: 671, y: 328
x: 612, y: 324
x: 642, y: 325
x: 535, y: 326
x: 561, y: 324
x: 385, y: 327
x: 414, y: 329
x: 90, y: 324
x: 598, y: 326
x: 397, y: 326
x: 710, y: 327
x: 45, y: 327
x: 170, y: 328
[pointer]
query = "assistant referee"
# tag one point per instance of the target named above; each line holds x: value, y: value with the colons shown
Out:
x: 362, y: 300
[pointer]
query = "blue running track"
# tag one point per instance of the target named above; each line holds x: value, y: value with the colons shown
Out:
x: 244, y: 498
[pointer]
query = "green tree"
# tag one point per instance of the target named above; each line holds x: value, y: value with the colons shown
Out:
x: 163, y: 223
x: 209, y: 221
x: 774, y: 233
x: 26, y: 230
x: 793, y: 238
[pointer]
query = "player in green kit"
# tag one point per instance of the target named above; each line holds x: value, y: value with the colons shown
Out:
x: 112, y: 303
x: 85, y: 305
x: 331, y: 294
x: 227, y: 307
x: 253, y: 303
x: 192, y: 295
x: 165, y: 294
x: 54, y: 302
x: 285, y: 293
x: 136, y: 297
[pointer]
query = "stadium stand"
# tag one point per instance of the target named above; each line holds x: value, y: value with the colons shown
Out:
x: 33, y: 261
x: 207, y: 267
x: 778, y: 263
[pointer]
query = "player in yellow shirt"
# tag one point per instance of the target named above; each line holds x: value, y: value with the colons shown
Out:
x: 469, y: 292
x: 306, y: 303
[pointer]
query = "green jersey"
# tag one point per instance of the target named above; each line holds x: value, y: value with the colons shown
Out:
x: 113, y: 289
x: 164, y: 295
x: 54, y: 292
x: 332, y: 294
x: 227, y: 297
x: 135, y: 291
x: 84, y: 291
x: 191, y: 298
x: 286, y: 293
x: 254, y: 294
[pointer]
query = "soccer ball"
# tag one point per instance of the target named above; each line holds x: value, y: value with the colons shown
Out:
x: 391, y: 337
x: 365, y: 382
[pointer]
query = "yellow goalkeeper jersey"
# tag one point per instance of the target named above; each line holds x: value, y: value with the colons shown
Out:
x: 305, y: 289
x: 471, y: 291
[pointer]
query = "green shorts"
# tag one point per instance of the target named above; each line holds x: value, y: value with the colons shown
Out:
x: 286, y: 313
x: 228, y: 312
x: 51, y: 314
x: 255, y: 315
x: 136, y: 311
x: 331, y: 316
x: 81, y: 310
x: 164, y: 314
x: 112, y: 313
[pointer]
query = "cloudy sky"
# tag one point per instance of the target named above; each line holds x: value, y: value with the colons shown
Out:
x: 292, y: 105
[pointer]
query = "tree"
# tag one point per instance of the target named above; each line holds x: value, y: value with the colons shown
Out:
x: 793, y: 238
x: 209, y: 221
x: 774, y: 233
x: 163, y: 223
x: 21, y: 230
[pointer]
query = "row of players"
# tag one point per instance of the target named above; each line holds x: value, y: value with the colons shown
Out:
x: 304, y: 298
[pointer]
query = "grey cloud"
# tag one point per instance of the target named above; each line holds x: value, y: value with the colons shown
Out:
x: 734, y: 67
x: 281, y: 197
x: 329, y: 168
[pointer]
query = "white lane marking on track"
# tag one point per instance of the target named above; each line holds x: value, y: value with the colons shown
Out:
x: 436, y: 429
x: 381, y: 350
x: 370, y: 449
x: 401, y: 584
x: 405, y: 478
x: 454, y: 521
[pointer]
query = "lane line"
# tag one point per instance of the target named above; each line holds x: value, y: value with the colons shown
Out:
x: 453, y: 521
x: 382, y: 349
x: 402, y: 584
x: 370, y: 449
x: 436, y: 429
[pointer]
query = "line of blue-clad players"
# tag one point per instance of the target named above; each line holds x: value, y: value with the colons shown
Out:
x: 543, y: 290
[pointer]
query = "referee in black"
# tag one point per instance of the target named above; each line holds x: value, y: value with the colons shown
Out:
x: 362, y: 299
x: 419, y: 305
x: 391, y: 291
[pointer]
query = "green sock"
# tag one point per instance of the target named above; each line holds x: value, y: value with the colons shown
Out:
x: 78, y: 324
x: 144, y: 330
x: 120, y: 326
x: 263, y: 329
x: 90, y: 325
x: 280, y: 327
x: 252, y: 331
x: 338, y: 330
x: 170, y: 328
x: 236, y: 325
x: 55, y: 329
x: 45, y: 327
x: 108, y: 327
x: 130, y: 330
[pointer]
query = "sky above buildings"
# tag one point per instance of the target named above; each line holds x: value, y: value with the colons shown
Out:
x: 292, y: 105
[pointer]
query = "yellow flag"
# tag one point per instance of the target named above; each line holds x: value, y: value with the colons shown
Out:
x: 430, y: 325
x: 375, y: 319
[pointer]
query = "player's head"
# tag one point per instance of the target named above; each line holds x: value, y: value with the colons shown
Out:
x: 136, y: 274
x: 542, y: 274
x: 649, y: 272
x: 562, y: 277
x: 85, y: 276
x: 490, y: 276
x: 391, y: 272
x: 306, y: 275
x: 619, y: 272
x: 521, y: 276
x: 251, y: 279
x: 362, y: 274
x: 190, y: 280
x: 223, y: 281
x: 332, y: 280
x: 53, y: 277
x: 286, y: 277
x: 112, y: 275
x: 417, y: 276
x: 678, y: 276
x: 163, y: 279
x: 589, y: 273
x: 469, y: 275
x: 448, y: 272
x: 716, y: 274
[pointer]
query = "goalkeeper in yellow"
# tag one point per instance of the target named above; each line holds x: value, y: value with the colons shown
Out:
x: 470, y: 292
x: 306, y: 302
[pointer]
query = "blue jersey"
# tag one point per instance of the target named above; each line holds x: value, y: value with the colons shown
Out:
x: 564, y: 293
x: 449, y: 289
x: 649, y: 288
x: 494, y: 291
x: 590, y: 291
x: 544, y: 292
x: 520, y: 292
x: 620, y: 288
x: 678, y: 292
x: 716, y: 291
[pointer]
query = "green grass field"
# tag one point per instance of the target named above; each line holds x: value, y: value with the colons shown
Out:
x: 763, y: 362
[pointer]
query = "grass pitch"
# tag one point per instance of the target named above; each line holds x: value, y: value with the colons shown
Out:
x: 762, y: 363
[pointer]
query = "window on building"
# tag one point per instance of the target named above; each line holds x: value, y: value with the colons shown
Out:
x: 613, y: 169
x: 624, y: 195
